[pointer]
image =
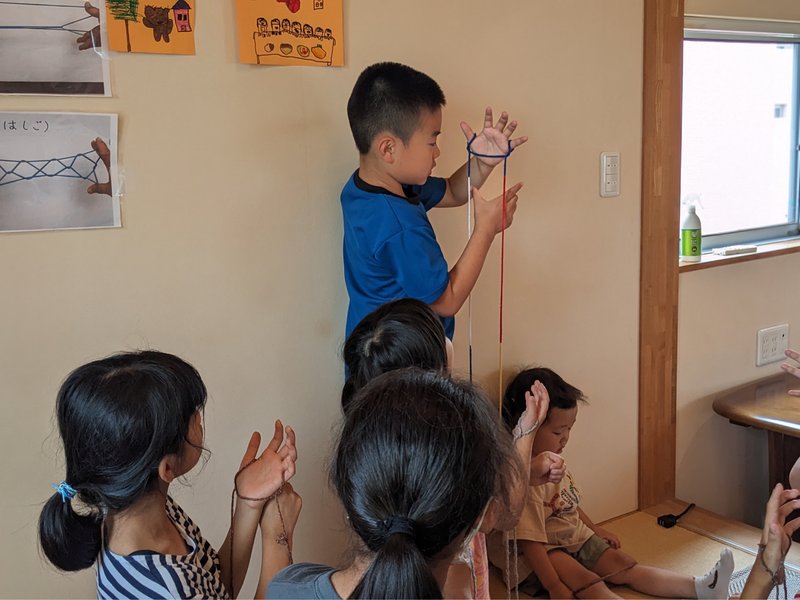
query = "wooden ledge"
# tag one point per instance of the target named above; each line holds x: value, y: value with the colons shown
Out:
x: 764, y: 251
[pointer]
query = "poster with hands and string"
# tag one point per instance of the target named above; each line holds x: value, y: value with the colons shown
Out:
x: 53, y: 47
x: 58, y: 171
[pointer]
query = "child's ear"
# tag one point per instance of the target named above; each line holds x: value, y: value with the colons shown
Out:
x: 167, y: 468
x: 386, y: 145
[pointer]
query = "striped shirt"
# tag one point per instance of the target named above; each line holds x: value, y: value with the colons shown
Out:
x: 147, y: 574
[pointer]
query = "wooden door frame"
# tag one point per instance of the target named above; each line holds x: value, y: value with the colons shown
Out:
x: 658, y: 292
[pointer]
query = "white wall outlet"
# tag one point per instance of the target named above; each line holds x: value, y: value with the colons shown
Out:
x: 772, y: 342
x: 609, y: 174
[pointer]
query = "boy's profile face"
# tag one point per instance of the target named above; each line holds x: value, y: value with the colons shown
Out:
x: 415, y: 160
x: 553, y: 435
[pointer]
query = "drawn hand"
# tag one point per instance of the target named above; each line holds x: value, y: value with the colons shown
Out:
x: 90, y: 39
x: 789, y: 368
x: 493, y: 139
x: 263, y: 476
x: 99, y: 146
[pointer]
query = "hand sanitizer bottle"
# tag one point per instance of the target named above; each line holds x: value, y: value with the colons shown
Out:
x: 691, y: 238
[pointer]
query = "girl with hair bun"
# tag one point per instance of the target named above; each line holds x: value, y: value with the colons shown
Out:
x: 130, y: 424
x: 420, y: 466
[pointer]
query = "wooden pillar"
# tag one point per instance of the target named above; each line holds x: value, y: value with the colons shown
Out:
x: 658, y: 296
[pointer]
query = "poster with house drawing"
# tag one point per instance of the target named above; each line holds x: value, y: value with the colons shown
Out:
x: 53, y: 47
x: 153, y: 26
x: 58, y: 171
x: 290, y: 32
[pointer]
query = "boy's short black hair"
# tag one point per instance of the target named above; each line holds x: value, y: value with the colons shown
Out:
x: 562, y: 394
x: 390, y: 97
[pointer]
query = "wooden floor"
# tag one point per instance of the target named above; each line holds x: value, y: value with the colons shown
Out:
x: 692, y: 547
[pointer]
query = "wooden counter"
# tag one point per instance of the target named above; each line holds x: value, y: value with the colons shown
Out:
x: 764, y: 404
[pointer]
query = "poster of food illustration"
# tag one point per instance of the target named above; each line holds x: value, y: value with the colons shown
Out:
x: 290, y: 32
x: 154, y: 26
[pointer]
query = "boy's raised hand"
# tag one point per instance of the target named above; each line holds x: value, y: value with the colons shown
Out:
x: 494, y: 139
x: 259, y: 478
x: 489, y: 213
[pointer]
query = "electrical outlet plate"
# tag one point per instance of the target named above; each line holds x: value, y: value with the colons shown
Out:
x: 772, y: 342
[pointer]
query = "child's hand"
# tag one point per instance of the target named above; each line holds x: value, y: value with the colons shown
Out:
x: 272, y: 526
x: 537, y: 401
x: 489, y: 213
x: 547, y: 467
x: 493, y: 140
x: 794, y: 355
x: 611, y: 538
x: 259, y: 478
x: 777, y: 532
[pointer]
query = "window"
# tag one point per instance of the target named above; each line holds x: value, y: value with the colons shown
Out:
x: 740, y: 128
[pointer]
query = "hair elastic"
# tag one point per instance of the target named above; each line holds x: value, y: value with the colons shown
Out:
x: 65, y: 490
x: 394, y: 525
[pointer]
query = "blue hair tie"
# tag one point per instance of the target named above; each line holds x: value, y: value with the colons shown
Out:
x: 65, y: 490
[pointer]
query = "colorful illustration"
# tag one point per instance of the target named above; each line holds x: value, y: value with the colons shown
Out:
x: 58, y: 171
x: 159, y: 26
x: 52, y: 47
x: 290, y: 32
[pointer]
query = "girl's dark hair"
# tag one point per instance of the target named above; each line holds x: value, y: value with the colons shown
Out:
x: 418, y: 459
x: 402, y: 333
x: 562, y: 394
x: 118, y: 417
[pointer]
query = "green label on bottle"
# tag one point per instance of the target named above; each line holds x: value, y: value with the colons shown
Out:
x: 690, y: 242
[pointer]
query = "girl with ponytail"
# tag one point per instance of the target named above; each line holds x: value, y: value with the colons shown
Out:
x: 420, y: 466
x: 130, y: 424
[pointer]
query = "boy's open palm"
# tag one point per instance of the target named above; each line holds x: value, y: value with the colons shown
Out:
x: 259, y: 478
x: 494, y: 139
x: 489, y: 213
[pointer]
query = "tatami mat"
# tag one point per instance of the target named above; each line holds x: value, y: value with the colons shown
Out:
x: 676, y: 549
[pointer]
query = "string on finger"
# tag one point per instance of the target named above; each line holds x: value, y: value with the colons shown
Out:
x: 283, y: 538
x: 470, y: 208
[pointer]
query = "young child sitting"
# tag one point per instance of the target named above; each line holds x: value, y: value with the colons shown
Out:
x: 131, y: 424
x: 390, y: 248
x: 562, y: 550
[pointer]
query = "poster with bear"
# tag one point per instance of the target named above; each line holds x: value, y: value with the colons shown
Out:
x: 152, y: 26
x: 290, y: 32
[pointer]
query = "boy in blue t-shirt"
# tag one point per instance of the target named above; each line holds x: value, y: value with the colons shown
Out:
x: 390, y: 248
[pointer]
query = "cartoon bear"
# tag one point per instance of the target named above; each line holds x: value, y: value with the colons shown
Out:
x: 157, y: 18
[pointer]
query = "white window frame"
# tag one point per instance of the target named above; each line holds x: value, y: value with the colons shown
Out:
x: 708, y: 28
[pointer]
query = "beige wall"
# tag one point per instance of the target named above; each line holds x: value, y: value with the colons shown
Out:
x: 235, y: 265
x: 719, y: 466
